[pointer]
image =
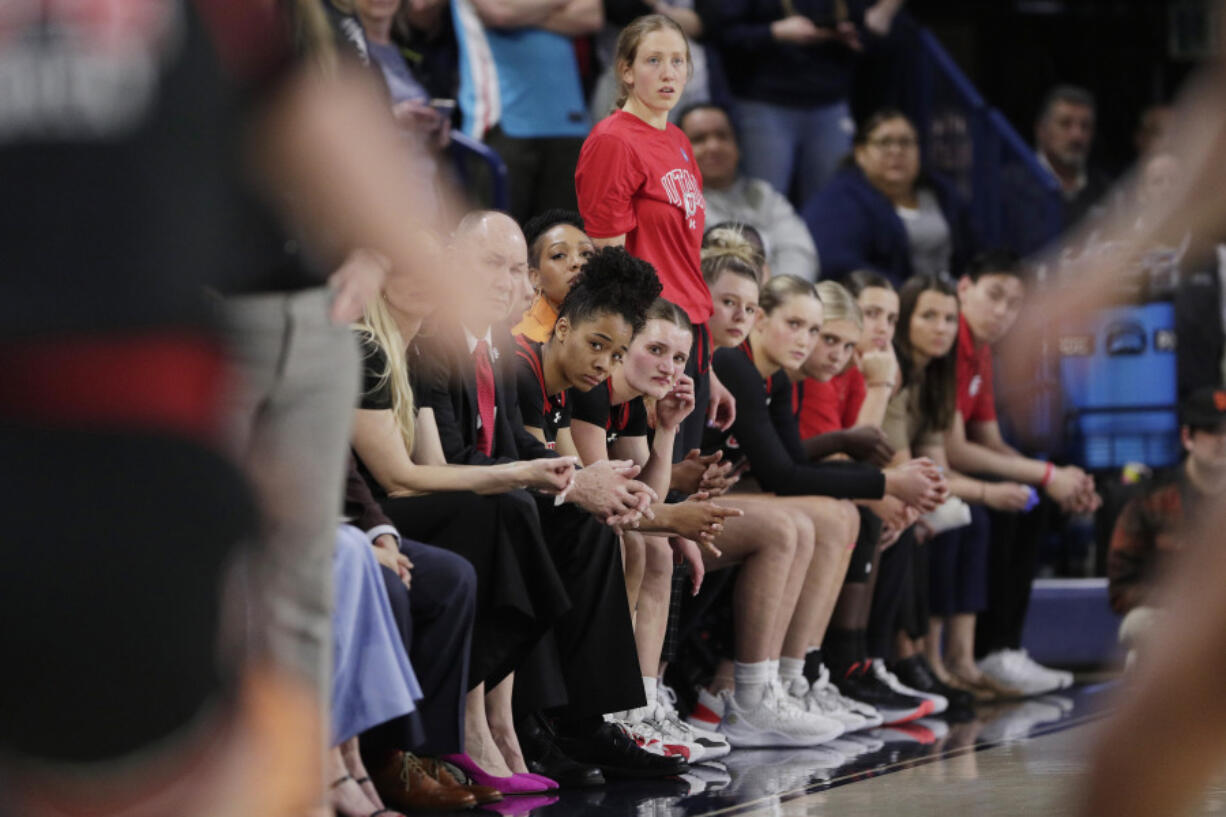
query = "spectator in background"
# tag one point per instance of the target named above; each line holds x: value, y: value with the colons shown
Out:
x: 990, y: 295
x: 881, y: 212
x: 620, y: 13
x: 1148, y: 531
x: 383, y: 26
x: 790, y: 66
x: 520, y: 91
x: 1064, y: 135
x: 733, y: 197
x: 1153, y: 128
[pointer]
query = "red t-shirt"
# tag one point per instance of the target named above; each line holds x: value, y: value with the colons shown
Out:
x: 976, y: 397
x: 833, y: 405
x: 643, y: 182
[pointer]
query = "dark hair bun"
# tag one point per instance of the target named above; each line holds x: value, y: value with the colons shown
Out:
x: 614, y: 281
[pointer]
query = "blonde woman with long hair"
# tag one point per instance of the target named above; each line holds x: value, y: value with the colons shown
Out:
x: 474, y: 511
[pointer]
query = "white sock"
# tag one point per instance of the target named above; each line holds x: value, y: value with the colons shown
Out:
x: 649, y: 689
x: 751, y: 681
x: 791, y: 669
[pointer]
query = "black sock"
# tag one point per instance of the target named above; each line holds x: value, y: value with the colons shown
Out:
x: 842, y: 650
x: 813, y: 664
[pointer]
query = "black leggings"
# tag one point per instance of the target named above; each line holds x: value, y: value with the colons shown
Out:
x: 894, y: 580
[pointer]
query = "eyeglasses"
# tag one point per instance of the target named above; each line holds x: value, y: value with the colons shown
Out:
x: 890, y: 142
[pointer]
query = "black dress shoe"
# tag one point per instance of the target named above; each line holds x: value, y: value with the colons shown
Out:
x: 617, y: 755
x: 916, y: 673
x: 543, y: 756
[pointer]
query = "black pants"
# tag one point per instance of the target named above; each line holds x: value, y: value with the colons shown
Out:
x: 541, y: 172
x: 958, y: 567
x: 519, y: 593
x: 1013, y: 553
x: 916, y: 604
x: 435, y: 619
x: 595, y: 640
x: 894, y: 579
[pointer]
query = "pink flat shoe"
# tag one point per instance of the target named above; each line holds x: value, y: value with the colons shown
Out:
x: 515, y: 784
x: 551, y: 783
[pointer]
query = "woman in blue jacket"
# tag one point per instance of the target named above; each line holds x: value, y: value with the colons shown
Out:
x: 881, y: 213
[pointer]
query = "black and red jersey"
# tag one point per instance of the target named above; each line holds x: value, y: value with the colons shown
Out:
x: 548, y: 412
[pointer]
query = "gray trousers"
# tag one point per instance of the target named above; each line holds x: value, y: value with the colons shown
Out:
x: 292, y: 412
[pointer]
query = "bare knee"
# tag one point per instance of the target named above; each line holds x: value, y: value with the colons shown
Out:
x: 851, y: 517
x: 658, y: 556
x: 778, y: 533
x: 832, y: 525
x: 806, y: 537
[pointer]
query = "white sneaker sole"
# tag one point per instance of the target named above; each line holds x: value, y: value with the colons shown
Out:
x: 742, y: 737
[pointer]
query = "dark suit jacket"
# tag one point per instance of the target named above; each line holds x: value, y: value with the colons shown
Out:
x: 448, y: 384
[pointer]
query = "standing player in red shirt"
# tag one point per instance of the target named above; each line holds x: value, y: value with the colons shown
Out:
x: 639, y: 186
x: 990, y: 295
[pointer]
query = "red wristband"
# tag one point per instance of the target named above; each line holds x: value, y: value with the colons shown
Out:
x: 1047, y: 475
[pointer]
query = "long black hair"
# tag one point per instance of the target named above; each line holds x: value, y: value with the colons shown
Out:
x: 613, y: 282
x: 937, y: 382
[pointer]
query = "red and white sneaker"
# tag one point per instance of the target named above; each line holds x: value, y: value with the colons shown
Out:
x: 708, y: 711
x: 708, y: 743
x: 649, y: 737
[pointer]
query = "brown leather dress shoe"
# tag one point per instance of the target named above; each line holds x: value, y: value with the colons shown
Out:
x: 405, y: 784
x: 439, y: 771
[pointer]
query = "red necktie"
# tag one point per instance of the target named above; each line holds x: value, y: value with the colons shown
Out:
x: 485, y: 397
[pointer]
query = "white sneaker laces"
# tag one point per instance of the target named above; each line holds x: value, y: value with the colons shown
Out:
x: 782, y: 703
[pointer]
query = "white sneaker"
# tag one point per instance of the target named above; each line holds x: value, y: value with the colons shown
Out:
x: 775, y: 721
x: 708, y: 711
x: 1019, y: 720
x: 647, y: 734
x: 820, y: 721
x: 641, y: 733
x: 847, y: 747
x: 676, y: 736
x: 870, y: 743
x: 1017, y: 670
x: 824, y: 688
x: 821, y: 701
x: 711, y: 745
x: 939, y: 702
